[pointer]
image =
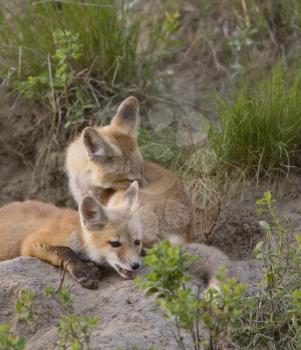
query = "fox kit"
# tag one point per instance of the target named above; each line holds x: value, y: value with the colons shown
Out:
x: 61, y: 236
x: 165, y: 210
x: 106, y: 157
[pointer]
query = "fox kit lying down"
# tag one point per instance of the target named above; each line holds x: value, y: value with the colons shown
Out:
x: 60, y: 236
x: 106, y: 157
x: 165, y: 209
x: 109, y: 158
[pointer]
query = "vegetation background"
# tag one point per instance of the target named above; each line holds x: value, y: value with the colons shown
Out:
x: 219, y: 86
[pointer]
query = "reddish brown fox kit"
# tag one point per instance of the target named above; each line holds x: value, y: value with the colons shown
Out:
x: 109, y: 158
x: 106, y: 157
x: 60, y: 236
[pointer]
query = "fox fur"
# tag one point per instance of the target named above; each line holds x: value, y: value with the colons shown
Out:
x: 165, y: 209
x: 208, y: 261
x: 106, y: 157
x: 61, y: 236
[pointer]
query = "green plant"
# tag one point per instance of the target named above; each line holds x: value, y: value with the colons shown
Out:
x: 271, y: 317
x: 59, y: 74
x: 74, y: 330
x: 260, y: 125
x: 60, y: 83
x: 78, y: 55
x: 109, y: 42
x: 26, y: 307
x: 216, y: 310
x: 162, y: 41
x: 8, y: 341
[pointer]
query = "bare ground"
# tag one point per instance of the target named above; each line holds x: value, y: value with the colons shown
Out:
x: 127, y: 319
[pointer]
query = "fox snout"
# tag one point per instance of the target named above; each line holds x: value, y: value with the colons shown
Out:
x: 134, y: 264
x: 126, y: 270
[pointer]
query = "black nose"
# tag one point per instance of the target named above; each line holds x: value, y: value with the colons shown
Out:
x: 135, y: 265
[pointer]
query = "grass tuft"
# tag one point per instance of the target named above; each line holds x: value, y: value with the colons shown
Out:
x: 108, y: 37
x: 261, y: 125
x: 75, y: 56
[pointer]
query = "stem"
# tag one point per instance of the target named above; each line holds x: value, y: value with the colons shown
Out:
x: 179, y: 337
x: 197, y: 319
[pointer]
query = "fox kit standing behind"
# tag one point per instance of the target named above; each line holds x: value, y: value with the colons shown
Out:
x: 107, y: 158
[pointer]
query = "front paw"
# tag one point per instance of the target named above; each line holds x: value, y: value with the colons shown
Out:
x: 85, y: 276
x: 98, y: 270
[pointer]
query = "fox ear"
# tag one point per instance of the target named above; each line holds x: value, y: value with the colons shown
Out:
x: 126, y: 118
x: 92, y: 214
x: 131, y: 196
x: 95, y: 144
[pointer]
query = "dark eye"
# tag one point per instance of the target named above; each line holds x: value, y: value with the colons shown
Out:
x: 115, y: 244
x: 137, y: 242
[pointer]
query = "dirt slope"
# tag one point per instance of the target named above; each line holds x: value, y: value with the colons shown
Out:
x: 128, y: 319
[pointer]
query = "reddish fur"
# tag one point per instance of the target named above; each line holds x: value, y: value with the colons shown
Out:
x: 85, y: 174
x: 27, y: 228
x: 21, y: 224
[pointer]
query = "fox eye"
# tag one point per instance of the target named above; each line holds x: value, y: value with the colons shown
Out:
x: 115, y: 244
x: 137, y: 242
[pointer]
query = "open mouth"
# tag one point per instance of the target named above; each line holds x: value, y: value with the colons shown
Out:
x: 125, y: 273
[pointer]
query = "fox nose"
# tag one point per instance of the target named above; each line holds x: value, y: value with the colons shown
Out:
x: 135, y: 265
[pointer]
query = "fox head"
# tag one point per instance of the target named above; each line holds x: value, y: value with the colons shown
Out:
x: 112, y: 150
x: 113, y: 237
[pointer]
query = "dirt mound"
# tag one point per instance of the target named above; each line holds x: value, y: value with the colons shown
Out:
x: 32, y: 163
x: 128, y: 319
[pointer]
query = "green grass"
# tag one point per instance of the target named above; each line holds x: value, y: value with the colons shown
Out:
x: 261, y: 125
x: 9, y: 341
x: 76, y: 57
x: 108, y: 37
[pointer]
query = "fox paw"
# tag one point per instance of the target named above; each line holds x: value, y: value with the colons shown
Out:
x: 97, y: 269
x: 86, y: 276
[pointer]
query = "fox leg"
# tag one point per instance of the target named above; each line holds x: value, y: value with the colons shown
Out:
x: 85, y: 273
x: 82, y: 272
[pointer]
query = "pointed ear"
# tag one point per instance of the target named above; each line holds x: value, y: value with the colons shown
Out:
x: 92, y: 214
x: 126, y: 118
x: 131, y: 196
x: 95, y: 144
